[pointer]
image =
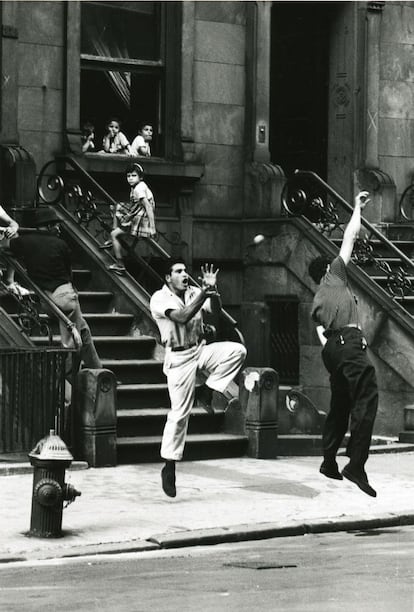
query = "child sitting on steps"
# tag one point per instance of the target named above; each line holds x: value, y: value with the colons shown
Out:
x: 134, y: 218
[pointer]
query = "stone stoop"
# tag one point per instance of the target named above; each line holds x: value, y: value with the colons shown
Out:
x: 142, y: 395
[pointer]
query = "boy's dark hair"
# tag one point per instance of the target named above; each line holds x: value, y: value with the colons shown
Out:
x: 142, y: 124
x: 317, y: 268
x: 169, y: 263
x: 88, y: 128
x: 135, y: 168
x: 115, y: 119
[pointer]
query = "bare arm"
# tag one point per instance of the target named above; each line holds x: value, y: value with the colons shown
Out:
x: 12, y: 225
x: 208, y: 290
x: 183, y: 315
x: 319, y: 330
x: 353, y: 227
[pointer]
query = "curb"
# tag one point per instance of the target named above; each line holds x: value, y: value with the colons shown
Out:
x: 17, y: 469
x: 220, y: 535
x: 262, y: 531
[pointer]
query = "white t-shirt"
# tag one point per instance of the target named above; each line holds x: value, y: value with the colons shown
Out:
x: 140, y: 142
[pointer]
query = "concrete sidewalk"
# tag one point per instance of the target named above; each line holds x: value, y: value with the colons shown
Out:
x: 125, y: 509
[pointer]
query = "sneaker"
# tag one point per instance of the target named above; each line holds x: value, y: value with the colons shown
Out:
x: 117, y: 268
x: 168, y: 479
x: 106, y: 245
x: 360, y: 479
x: 18, y: 290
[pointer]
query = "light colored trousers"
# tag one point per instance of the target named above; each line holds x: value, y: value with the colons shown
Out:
x: 66, y: 298
x: 219, y: 361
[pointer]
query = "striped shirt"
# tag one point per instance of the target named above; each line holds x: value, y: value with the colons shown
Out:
x: 175, y: 334
x: 334, y: 305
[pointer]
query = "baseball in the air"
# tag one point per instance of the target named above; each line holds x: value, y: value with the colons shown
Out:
x: 258, y: 239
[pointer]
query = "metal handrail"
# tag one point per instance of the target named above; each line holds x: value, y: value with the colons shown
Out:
x: 112, y: 202
x: 70, y: 326
x: 364, y: 222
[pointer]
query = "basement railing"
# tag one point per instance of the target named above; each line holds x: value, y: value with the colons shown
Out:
x: 306, y: 194
x: 33, y: 378
x: 92, y: 207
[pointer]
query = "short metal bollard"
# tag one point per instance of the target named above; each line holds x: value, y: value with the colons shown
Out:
x: 95, y: 417
x: 50, y: 457
x: 259, y: 399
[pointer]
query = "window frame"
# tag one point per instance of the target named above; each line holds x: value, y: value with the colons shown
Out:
x: 170, y: 63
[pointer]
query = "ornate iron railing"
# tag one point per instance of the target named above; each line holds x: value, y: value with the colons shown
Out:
x: 93, y: 208
x: 406, y: 203
x: 91, y: 205
x: 306, y: 194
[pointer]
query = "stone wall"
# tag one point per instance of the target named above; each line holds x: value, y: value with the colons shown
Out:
x: 219, y: 106
x: 396, y: 108
x: 40, y: 78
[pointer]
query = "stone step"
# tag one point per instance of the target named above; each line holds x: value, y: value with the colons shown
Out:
x: 381, y: 249
x: 311, y: 445
x: 399, y: 231
x: 102, y: 324
x: 198, y: 446
x: 130, y: 371
x: 151, y: 421
x: 142, y: 395
x: 113, y: 347
x: 95, y: 301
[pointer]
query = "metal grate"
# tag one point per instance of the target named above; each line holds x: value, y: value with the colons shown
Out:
x: 32, y: 395
x: 284, y: 342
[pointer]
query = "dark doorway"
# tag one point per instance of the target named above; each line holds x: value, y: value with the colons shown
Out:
x: 284, y: 338
x: 299, y: 85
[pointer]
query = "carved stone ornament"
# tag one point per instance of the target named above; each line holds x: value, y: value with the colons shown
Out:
x: 341, y: 94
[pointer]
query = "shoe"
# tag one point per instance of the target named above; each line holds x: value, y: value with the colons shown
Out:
x: 168, y: 479
x: 330, y: 470
x: 360, y: 480
x: 204, y: 397
x: 106, y: 245
x: 118, y: 269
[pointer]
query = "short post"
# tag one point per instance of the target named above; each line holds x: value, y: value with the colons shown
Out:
x: 407, y: 436
x: 259, y: 399
x: 95, y: 417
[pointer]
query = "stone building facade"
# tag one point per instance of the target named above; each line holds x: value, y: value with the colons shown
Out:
x: 240, y: 94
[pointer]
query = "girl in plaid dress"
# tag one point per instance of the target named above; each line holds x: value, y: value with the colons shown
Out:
x: 134, y: 218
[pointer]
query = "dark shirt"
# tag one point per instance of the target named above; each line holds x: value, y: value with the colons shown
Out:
x: 334, y: 306
x: 46, y: 257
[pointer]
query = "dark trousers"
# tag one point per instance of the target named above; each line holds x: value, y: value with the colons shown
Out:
x: 354, y: 396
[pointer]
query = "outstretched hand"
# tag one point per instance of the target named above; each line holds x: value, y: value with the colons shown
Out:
x: 209, y: 279
x: 362, y: 199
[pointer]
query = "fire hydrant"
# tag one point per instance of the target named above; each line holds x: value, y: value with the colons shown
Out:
x: 50, y: 457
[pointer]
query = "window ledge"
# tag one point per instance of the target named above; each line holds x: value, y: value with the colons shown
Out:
x: 153, y: 166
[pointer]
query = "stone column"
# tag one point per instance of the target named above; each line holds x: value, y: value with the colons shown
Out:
x: 187, y: 80
x: 373, y: 18
x: 186, y: 225
x: 73, y: 46
x: 370, y: 176
x: 263, y: 180
x: 9, y: 77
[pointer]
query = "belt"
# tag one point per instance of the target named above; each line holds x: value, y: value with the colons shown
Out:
x: 177, y: 349
x: 331, y: 332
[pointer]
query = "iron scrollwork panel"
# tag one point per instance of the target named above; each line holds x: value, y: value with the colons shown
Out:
x: 304, y: 195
